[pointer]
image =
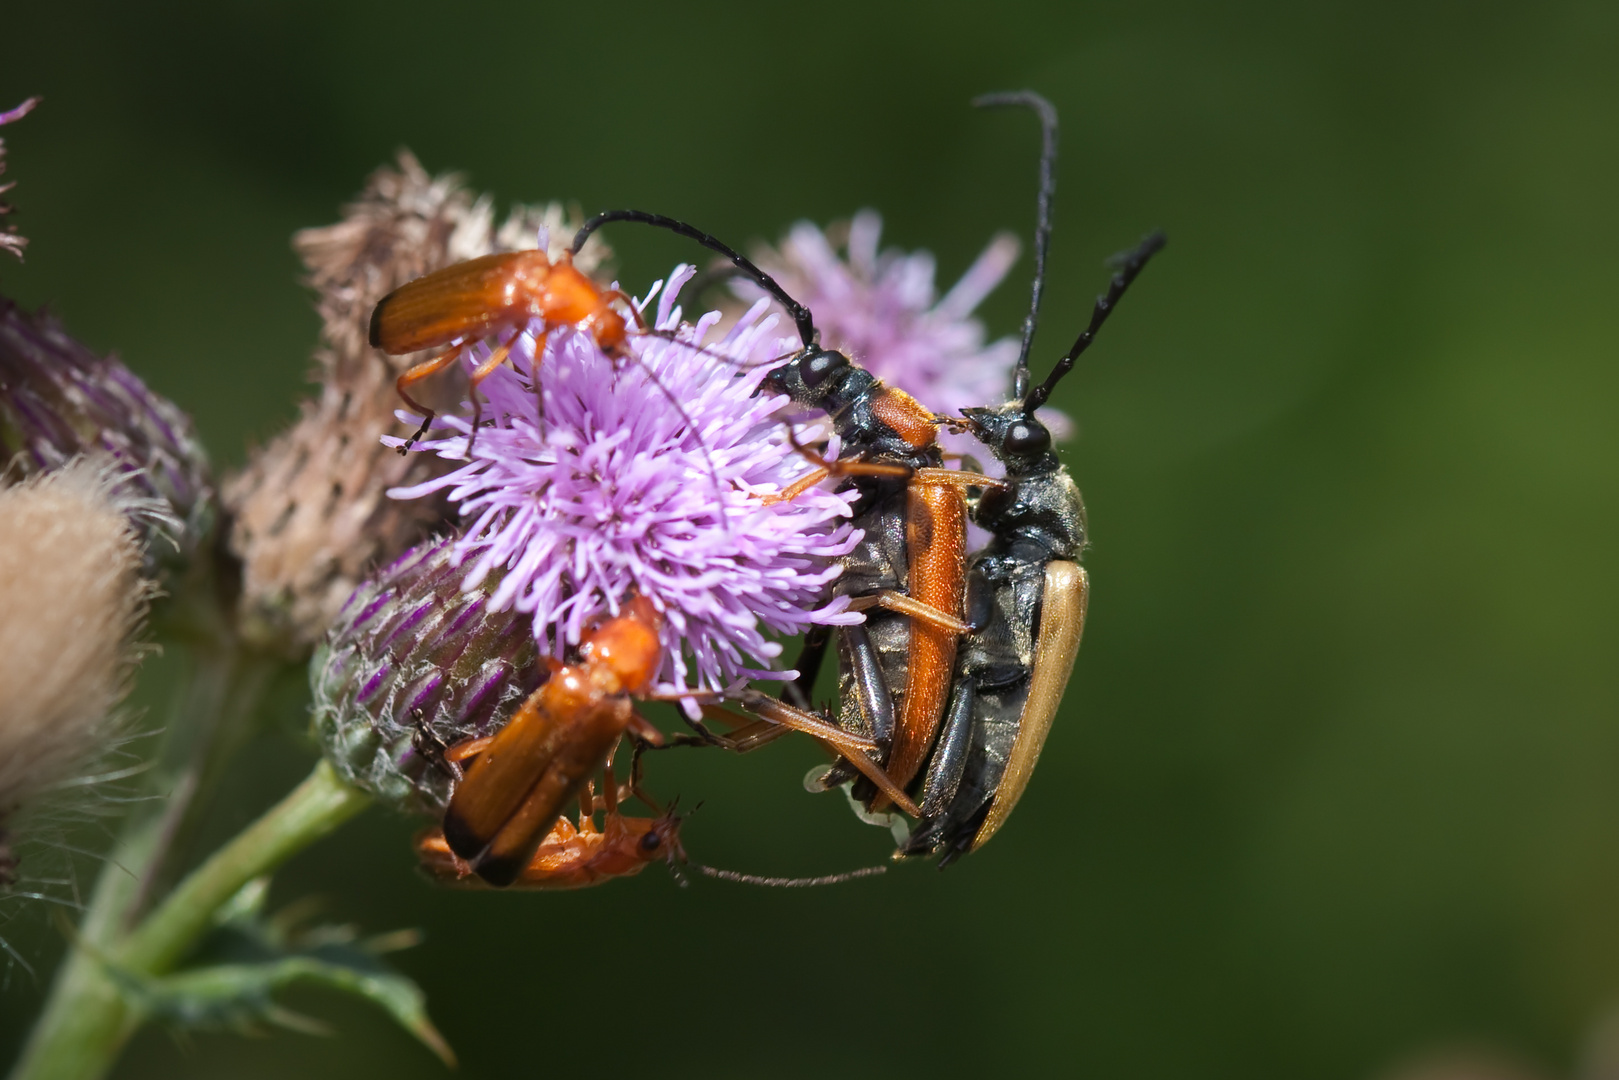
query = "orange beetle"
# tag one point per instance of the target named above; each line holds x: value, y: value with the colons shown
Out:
x: 573, y: 857
x: 493, y: 296
x: 505, y: 809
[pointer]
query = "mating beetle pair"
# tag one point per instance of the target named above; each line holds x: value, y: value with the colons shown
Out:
x: 947, y: 692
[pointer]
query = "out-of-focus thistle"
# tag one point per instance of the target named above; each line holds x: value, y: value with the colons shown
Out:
x: 651, y: 474
x: 59, y: 400
x: 103, y: 485
x: 413, y: 664
x: 309, y: 513
x: 9, y: 240
x: 72, y: 601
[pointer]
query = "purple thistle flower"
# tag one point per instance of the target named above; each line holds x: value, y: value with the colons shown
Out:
x: 59, y: 400
x: 884, y: 311
x: 645, y: 473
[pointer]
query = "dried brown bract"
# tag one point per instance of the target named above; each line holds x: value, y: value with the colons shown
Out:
x: 310, y: 510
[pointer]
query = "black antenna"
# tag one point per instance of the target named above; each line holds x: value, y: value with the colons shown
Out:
x: 801, y: 314
x: 1129, y: 264
x: 1042, y: 230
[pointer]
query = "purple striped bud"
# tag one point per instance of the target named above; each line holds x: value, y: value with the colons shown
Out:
x: 413, y: 665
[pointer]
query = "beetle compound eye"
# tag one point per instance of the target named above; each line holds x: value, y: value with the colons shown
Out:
x: 651, y: 842
x: 822, y: 366
x: 1027, y: 439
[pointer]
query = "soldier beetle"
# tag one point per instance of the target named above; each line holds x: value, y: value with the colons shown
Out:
x: 493, y: 296
x: 524, y: 777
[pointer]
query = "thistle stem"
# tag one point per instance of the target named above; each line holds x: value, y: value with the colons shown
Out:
x: 86, y: 1022
x: 311, y: 810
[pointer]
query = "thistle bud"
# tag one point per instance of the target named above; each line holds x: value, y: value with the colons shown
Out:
x: 72, y: 601
x: 413, y: 665
x: 309, y: 511
x: 59, y: 400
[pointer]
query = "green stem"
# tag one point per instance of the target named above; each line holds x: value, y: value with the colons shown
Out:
x: 221, y: 701
x: 84, y: 1011
x: 311, y: 810
x: 86, y: 1021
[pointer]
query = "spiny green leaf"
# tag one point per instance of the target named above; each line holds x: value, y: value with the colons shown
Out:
x: 249, y: 956
x: 238, y: 996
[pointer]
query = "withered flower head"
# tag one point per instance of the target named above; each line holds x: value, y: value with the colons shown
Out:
x: 59, y: 400
x: 309, y: 513
x: 413, y: 664
x: 9, y: 240
x: 72, y: 599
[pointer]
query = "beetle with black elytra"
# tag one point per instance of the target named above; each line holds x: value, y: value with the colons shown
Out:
x: 987, y: 715
x: 1026, y: 592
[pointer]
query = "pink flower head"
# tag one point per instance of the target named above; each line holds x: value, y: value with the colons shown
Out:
x: 645, y: 473
x: 884, y: 311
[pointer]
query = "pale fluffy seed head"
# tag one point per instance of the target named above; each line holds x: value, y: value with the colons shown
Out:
x: 71, y: 603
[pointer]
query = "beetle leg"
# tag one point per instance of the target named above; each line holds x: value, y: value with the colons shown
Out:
x: 746, y: 735
x: 634, y: 787
x: 871, y: 688
x: 916, y: 609
x: 635, y: 312
x: 411, y: 377
x: 797, y: 487
x: 609, y: 783
x: 643, y: 730
x: 468, y: 748
x: 496, y: 358
x: 851, y: 747
x: 861, y: 682
x: 824, y: 469
x: 808, y: 665
x: 949, y: 760
x: 587, y: 807
x: 482, y: 372
x: 957, y: 476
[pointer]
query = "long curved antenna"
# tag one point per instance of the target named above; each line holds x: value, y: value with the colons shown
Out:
x: 1042, y: 229
x: 714, y: 354
x: 801, y: 314
x: 691, y: 425
x: 1129, y: 264
x: 789, y: 882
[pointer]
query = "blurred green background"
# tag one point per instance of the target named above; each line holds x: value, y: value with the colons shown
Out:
x: 1337, y: 778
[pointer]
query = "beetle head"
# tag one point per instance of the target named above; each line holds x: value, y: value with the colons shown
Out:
x: 1015, y: 437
